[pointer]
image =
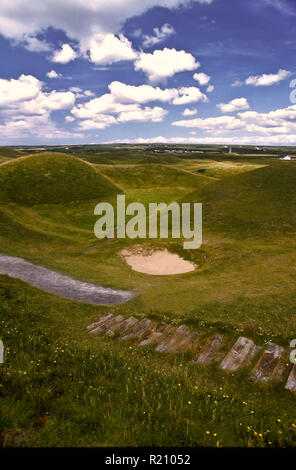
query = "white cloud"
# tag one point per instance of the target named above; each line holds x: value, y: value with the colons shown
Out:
x: 237, y: 83
x: 53, y: 74
x: 40, y: 128
x: 202, y: 78
x: 268, y: 79
x: 69, y: 119
x: 123, y: 93
x: 155, y: 114
x: 126, y: 98
x: 65, y: 55
x: 160, y: 35
x: 210, y: 88
x: 165, y: 63
x: 124, y: 102
x: 34, y: 44
x: 189, y: 112
x: 100, y: 122
x: 280, y: 123
x: 26, y: 87
x: 225, y: 140
x: 237, y: 104
x: 45, y: 102
x: 213, y: 124
x: 79, y: 19
x: 106, y: 49
x: 190, y: 95
x: 105, y: 104
x: 24, y: 96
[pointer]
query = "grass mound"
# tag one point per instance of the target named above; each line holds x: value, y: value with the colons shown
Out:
x: 259, y: 201
x: 160, y: 159
x: 51, y: 178
x: 147, y: 176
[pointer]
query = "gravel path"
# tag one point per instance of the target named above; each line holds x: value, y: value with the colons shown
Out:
x: 65, y: 286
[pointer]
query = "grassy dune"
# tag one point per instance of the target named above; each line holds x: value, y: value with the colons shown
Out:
x: 61, y: 387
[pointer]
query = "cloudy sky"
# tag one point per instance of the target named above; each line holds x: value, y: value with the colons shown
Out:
x: 200, y: 71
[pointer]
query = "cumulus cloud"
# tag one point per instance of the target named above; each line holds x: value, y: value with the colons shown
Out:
x: 155, y: 114
x: 100, y: 122
x: 34, y: 44
x: 79, y: 19
x: 64, y: 55
x: 213, y: 124
x: 25, y: 88
x: 281, y: 122
x: 23, y: 103
x: 190, y: 95
x: 69, y: 119
x: 210, y: 88
x: 160, y: 35
x: 165, y: 63
x: 140, y: 94
x: 106, y: 49
x: 268, y: 79
x: 40, y: 128
x: 53, y: 74
x: 123, y: 106
x: 202, y: 78
x: 124, y: 102
x: 189, y: 112
x: 237, y: 104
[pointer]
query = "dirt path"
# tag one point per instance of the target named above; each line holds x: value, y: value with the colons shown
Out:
x: 59, y: 284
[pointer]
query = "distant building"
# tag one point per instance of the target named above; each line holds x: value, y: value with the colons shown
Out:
x: 287, y: 158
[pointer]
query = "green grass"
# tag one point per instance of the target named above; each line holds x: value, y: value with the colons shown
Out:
x: 60, y: 387
x: 244, y: 285
x: 147, y: 176
x: 51, y: 178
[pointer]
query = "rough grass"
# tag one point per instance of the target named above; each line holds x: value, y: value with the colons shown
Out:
x: 147, y: 176
x: 60, y: 387
x: 51, y: 178
x: 259, y: 202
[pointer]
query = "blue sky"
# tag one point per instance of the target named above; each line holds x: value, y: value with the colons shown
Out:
x: 202, y: 71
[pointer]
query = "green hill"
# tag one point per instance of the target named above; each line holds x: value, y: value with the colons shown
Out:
x: 52, y: 178
x: 258, y: 202
x: 9, y: 152
x: 147, y: 176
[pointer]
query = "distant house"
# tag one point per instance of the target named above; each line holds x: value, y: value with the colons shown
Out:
x: 285, y: 157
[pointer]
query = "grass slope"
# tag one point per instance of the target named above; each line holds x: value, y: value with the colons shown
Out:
x: 51, y: 178
x: 61, y: 387
x: 260, y: 202
x: 147, y: 176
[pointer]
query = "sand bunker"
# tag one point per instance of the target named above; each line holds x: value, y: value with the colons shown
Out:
x: 158, y: 263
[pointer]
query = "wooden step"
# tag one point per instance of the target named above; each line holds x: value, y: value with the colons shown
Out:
x: 121, y: 327
x: 138, y: 330
x: 106, y: 325
x: 270, y: 364
x: 240, y: 355
x: 181, y: 339
x: 211, y: 350
x: 159, y: 331
x: 100, y: 322
x: 291, y: 382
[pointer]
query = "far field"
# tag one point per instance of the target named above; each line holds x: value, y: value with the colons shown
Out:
x: 59, y: 386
